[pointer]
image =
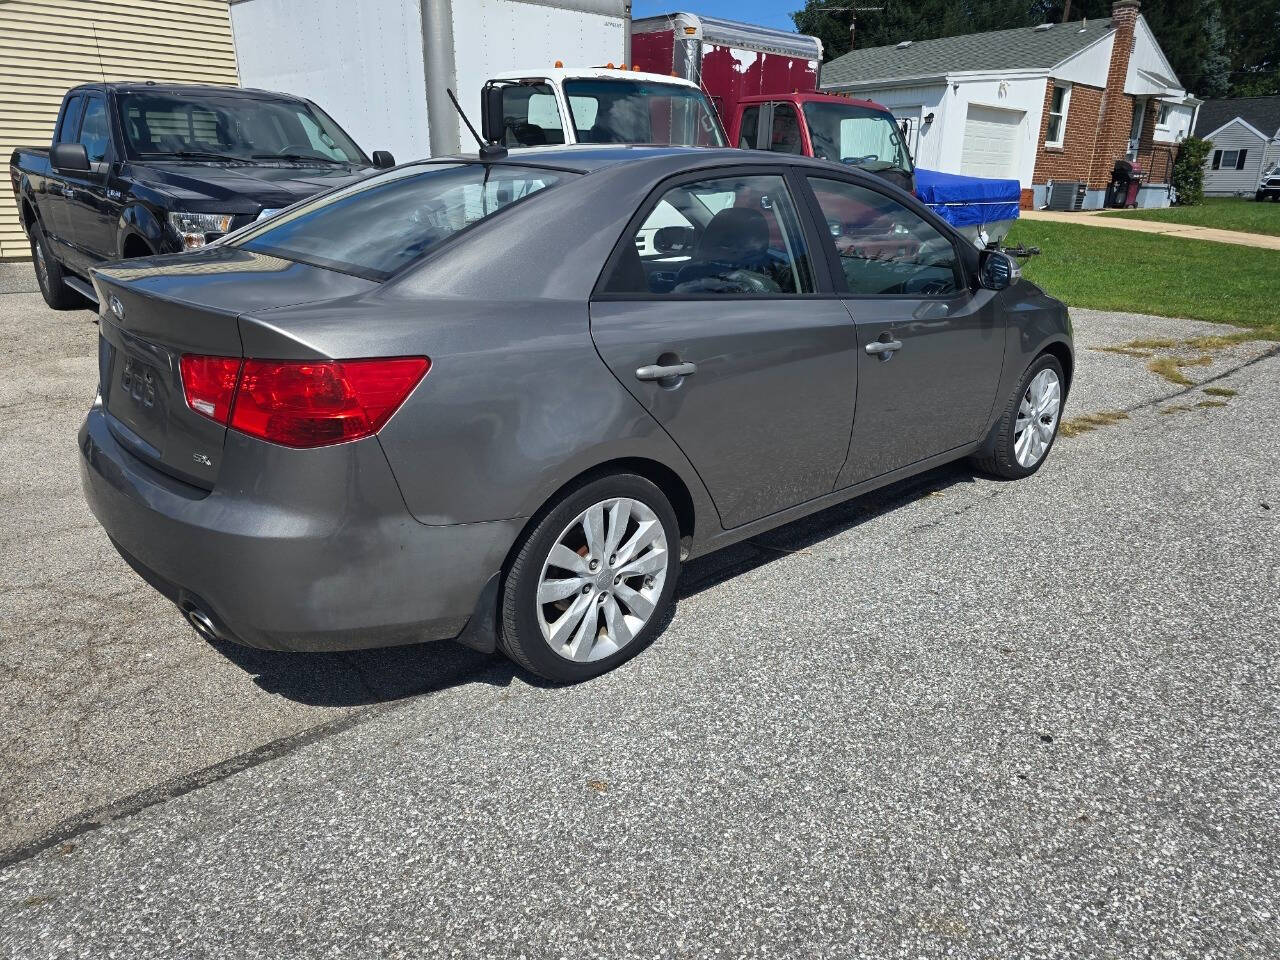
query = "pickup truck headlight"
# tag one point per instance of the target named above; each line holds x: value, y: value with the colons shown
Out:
x: 193, y: 228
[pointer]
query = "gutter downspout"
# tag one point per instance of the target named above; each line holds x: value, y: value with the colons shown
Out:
x: 441, y: 71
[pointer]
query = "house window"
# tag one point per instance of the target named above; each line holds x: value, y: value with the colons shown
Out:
x: 1229, y: 159
x: 1166, y: 110
x: 1058, y: 104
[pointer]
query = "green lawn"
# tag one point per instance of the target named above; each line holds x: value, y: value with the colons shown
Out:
x: 1149, y: 273
x: 1221, y: 213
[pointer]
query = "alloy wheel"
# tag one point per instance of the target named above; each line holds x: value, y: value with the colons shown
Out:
x: 602, y: 579
x: 1037, y: 418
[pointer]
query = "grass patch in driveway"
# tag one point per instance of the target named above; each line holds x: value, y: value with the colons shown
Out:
x: 1148, y: 273
x: 1217, y: 213
x: 1220, y: 391
x: 1171, y: 367
x: 1090, y: 421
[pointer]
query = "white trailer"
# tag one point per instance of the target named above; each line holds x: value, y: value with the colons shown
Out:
x: 380, y: 68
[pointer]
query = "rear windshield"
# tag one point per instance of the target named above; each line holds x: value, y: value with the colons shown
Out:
x: 377, y: 226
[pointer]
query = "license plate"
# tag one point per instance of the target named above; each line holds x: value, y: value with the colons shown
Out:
x: 139, y: 381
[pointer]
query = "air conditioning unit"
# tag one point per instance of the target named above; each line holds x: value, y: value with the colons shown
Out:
x: 1066, y: 194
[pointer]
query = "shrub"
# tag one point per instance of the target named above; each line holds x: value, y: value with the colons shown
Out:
x: 1188, y: 171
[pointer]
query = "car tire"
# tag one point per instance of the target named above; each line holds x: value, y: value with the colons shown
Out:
x: 609, y: 616
x: 1007, y: 453
x: 49, y: 275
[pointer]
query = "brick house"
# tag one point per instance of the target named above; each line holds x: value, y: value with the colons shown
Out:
x: 1052, y: 106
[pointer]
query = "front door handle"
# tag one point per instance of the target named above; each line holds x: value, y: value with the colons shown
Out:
x: 655, y: 371
x: 883, y: 347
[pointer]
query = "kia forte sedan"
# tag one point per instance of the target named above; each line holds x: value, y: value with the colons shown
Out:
x: 502, y: 401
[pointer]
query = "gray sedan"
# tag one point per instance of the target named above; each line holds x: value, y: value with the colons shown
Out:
x: 502, y: 401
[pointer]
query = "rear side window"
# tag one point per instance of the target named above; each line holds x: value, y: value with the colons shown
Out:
x: 727, y: 236
x: 375, y: 227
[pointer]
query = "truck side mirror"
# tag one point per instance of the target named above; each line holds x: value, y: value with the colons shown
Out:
x: 72, y: 157
x: 492, y: 127
x: 383, y: 160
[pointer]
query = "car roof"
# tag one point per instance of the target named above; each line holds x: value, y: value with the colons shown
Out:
x: 589, y: 158
x: 186, y: 89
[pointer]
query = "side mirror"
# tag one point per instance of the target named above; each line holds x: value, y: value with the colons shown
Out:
x: 382, y: 159
x: 69, y: 156
x: 673, y: 240
x: 492, y: 127
x: 997, y: 270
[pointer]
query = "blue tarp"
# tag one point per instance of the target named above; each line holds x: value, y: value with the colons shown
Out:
x: 968, y: 201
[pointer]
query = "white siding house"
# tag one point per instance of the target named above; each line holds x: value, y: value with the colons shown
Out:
x: 1245, y: 133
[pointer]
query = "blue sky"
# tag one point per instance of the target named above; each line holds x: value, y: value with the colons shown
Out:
x: 770, y: 13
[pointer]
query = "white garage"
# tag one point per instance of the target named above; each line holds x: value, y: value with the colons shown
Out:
x: 992, y: 142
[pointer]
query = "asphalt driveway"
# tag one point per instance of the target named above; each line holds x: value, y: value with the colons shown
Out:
x: 956, y: 718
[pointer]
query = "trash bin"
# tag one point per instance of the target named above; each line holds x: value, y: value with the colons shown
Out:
x: 1122, y: 191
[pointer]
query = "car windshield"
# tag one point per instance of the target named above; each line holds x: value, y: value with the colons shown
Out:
x: 377, y: 226
x: 637, y: 111
x: 858, y: 135
x: 207, y: 126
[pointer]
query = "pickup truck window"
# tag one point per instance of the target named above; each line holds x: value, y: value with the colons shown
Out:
x: 377, y: 226
x: 231, y: 127
x: 636, y: 111
x: 856, y: 135
x: 70, y: 126
x: 95, y: 133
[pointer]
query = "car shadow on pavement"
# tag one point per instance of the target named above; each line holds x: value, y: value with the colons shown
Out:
x: 363, y: 677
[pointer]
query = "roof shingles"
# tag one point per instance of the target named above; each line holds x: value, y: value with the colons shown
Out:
x: 1022, y: 48
x: 1262, y: 113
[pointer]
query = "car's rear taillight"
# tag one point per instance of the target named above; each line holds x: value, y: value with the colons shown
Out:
x: 311, y: 403
x: 210, y: 384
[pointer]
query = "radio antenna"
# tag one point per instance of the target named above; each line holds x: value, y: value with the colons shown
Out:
x: 488, y: 151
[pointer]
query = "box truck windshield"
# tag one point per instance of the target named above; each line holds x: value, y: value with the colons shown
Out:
x: 857, y: 135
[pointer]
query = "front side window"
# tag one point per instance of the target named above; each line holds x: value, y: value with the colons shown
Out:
x: 727, y: 236
x: 94, y: 131
x: 857, y: 135
x: 785, y: 134
x: 70, y: 127
x: 885, y: 249
x: 158, y: 126
x: 530, y: 115
x: 636, y: 111
x: 1058, y: 104
x: 377, y: 226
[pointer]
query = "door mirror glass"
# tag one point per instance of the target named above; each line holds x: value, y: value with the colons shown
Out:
x: 673, y: 240
x: 383, y: 160
x: 71, y: 157
x: 997, y: 270
x: 491, y: 112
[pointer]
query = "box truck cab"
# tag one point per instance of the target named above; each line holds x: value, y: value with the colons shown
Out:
x: 857, y: 132
x: 559, y: 105
x: 764, y: 84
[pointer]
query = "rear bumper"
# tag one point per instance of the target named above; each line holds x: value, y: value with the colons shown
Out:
x: 306, y: 550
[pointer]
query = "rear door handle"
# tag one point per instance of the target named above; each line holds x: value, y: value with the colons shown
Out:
x: 883, y: 346
x: 656, y: 371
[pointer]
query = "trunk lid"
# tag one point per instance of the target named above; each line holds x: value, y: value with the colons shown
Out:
x: 155, y: 310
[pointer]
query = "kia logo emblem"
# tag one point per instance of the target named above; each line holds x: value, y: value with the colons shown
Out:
x: 116, y: 307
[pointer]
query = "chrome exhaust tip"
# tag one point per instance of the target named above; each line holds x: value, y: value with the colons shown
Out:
x: 202, y: 623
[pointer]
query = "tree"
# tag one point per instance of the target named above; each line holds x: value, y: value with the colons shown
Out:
x: 1188, y: 171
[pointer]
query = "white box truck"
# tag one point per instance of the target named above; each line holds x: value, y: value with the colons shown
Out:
x: 381, y: 68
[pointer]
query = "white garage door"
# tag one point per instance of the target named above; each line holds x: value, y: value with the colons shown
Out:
x: 991, y: 141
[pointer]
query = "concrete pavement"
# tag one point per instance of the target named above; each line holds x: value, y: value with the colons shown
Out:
x: 957, y: 718
x: 1091, y: 218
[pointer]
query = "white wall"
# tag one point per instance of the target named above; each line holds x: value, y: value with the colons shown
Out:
x: 360, y: 63
x: 1178, y: 124
x: 1146, y: 56
x: 1091, y: 65
x: 490, y: 36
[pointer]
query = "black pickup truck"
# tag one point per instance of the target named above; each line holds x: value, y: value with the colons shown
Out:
x: 142, y: 168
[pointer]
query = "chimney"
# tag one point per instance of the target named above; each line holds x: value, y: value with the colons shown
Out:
x: 1117, y: 107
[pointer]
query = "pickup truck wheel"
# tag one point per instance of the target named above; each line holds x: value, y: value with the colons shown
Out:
x: 49, y: 275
